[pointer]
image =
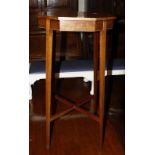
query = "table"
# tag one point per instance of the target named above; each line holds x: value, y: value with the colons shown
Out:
x: 76, y: 22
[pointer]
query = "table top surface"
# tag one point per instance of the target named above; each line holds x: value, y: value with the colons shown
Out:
x: 70, y: 15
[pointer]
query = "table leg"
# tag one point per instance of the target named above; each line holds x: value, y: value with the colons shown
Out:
x: 102, y: 59
x: 49, y: 53
x: 95, y: 64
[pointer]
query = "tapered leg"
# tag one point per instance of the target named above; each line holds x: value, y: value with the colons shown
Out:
x: 49, y: 45
x: 95, y: 64
x: 102, y: 56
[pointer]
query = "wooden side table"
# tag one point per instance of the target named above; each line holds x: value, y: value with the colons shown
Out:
x: 75, y: 22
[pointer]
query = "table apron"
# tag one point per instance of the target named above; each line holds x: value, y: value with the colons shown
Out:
x: 76, y: 25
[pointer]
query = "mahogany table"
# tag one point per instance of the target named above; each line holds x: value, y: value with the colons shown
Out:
x: 76, y: 22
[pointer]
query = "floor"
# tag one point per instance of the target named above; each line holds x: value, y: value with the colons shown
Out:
x: 75, y: 134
